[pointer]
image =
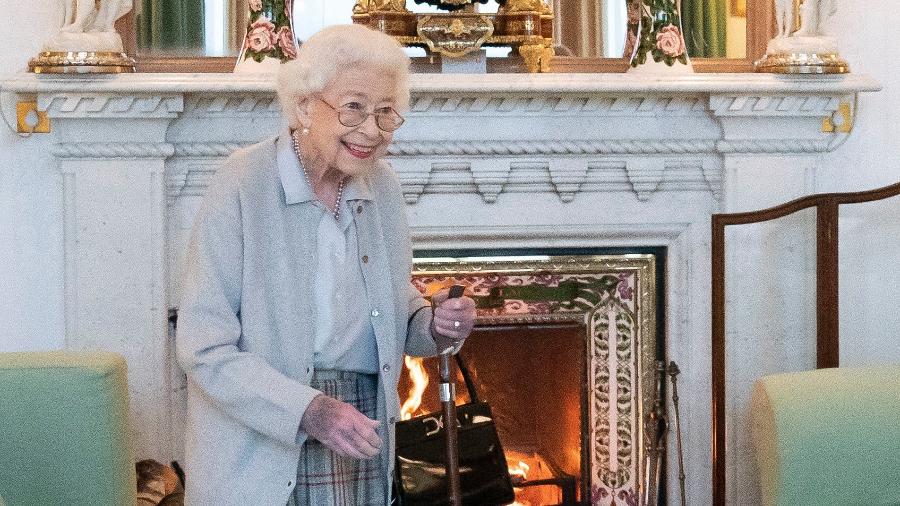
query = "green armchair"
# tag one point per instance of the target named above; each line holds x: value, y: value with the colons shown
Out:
x: 828, y: 437
x: 64, y: 430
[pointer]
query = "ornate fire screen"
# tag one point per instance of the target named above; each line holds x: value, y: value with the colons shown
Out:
x: 615, y: 297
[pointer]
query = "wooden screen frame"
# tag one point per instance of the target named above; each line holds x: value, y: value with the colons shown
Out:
x: 760, y: 29
x: 827, y: 317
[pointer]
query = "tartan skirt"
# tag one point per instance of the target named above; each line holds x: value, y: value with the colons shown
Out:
x: 323, y: 476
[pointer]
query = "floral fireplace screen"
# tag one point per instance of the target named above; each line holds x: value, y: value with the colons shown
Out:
x: 614, y: 296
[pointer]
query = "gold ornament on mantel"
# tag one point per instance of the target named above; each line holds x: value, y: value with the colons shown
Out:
x: 87, y: 42
x: 525, y: 25
x: 802, y: 45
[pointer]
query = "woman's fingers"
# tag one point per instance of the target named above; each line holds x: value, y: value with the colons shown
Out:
x: 342, y: 428
x: 365, y: 446
x: 363, y: 438
x: 350, y: 442
x: 455, y: 318
x: 346, y: 448
x: 366, y: 431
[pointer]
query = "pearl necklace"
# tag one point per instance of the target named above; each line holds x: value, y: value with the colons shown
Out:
x: 340, y: 191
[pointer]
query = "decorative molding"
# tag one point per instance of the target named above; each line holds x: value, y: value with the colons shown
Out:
x: 713, y: 178
x: 189, y: 178
x: 529, y: 236
x: 444, y: 84
x: 469, y: 148
x: 105, y: 105
x: 240, y: 104
x: 495, y: 104
x: 566, y: 177
x: 775, y: 146
x: 208, y: 149
x: 489, y: 178
x: 552, y: 147
x: 645, y: 176
x: 777, y: 105
x: 100, y: 150
x: 450, y: 177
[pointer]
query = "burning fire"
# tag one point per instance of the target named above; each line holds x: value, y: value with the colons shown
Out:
x: 518, y: 472
x: 419, y: 380
x: 531, y: 466
x: 523, y: 466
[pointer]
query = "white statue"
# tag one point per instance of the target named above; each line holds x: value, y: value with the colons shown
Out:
x: 813, y: 16
x: 93, y: 16
x: 784, y: 17
x: 88, y: 25
x: 811, y: 37
x: 809, y: 49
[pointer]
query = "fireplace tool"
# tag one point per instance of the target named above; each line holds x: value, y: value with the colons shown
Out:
x: 448, y: 403
x: 673, y: 373
x: 658, y: 425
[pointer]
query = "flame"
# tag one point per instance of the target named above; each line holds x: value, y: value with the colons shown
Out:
x: 519, y: 472
x: 529, y: 465
x: 419, y: 379
x: 436, y: 286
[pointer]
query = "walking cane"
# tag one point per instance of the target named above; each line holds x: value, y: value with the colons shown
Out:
x: 448, y: 402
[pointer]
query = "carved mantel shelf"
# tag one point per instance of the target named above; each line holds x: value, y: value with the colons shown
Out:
x: 625, y: 83
x: 485, y: 161
x: 581, y: 121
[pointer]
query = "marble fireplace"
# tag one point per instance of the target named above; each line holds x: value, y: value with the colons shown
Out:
x: 486, y: 162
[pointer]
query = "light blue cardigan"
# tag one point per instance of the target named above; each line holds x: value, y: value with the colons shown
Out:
x: 246, y: 316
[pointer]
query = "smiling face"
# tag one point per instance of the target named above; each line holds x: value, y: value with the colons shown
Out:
x: 329, y: 145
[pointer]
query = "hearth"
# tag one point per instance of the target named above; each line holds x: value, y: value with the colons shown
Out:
x: 564, y: 352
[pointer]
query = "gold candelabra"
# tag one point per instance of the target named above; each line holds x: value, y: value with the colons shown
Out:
x: 525, y: 25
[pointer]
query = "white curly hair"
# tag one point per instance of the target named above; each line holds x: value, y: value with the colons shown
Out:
x: 327, y: 52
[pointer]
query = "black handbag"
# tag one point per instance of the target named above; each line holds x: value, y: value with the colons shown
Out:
x: 419, y: 473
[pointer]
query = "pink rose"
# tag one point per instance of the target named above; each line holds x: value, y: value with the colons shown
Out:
x: 286, y: 42
x: 255, y: 5
x: 261, y: 37
x: 669, y: 41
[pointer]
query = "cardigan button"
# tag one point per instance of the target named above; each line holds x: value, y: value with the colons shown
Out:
x: 365, y: 259
x: 375, y: 312
x: 359, y: 210
x: 386, y: 368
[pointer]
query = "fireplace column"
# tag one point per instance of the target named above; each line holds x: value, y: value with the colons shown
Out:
x: 772, y: 146
x: 111, y: 150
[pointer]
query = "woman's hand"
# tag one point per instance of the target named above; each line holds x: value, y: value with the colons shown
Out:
x: 453, y: 319
x: 341, y: 427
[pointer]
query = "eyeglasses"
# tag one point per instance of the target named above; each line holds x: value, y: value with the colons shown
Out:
x: 353, y: 114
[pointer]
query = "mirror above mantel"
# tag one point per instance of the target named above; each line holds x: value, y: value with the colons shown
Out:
x: 206, y: 35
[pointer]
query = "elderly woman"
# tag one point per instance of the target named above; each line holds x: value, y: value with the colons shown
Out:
x: 296, y: 306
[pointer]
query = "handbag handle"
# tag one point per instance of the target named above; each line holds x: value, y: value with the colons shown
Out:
x: 467, y: 378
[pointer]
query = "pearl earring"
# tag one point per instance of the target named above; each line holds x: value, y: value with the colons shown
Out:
x: 305, y: 131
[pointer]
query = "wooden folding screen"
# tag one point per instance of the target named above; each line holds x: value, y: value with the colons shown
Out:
x: 827, y: 345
